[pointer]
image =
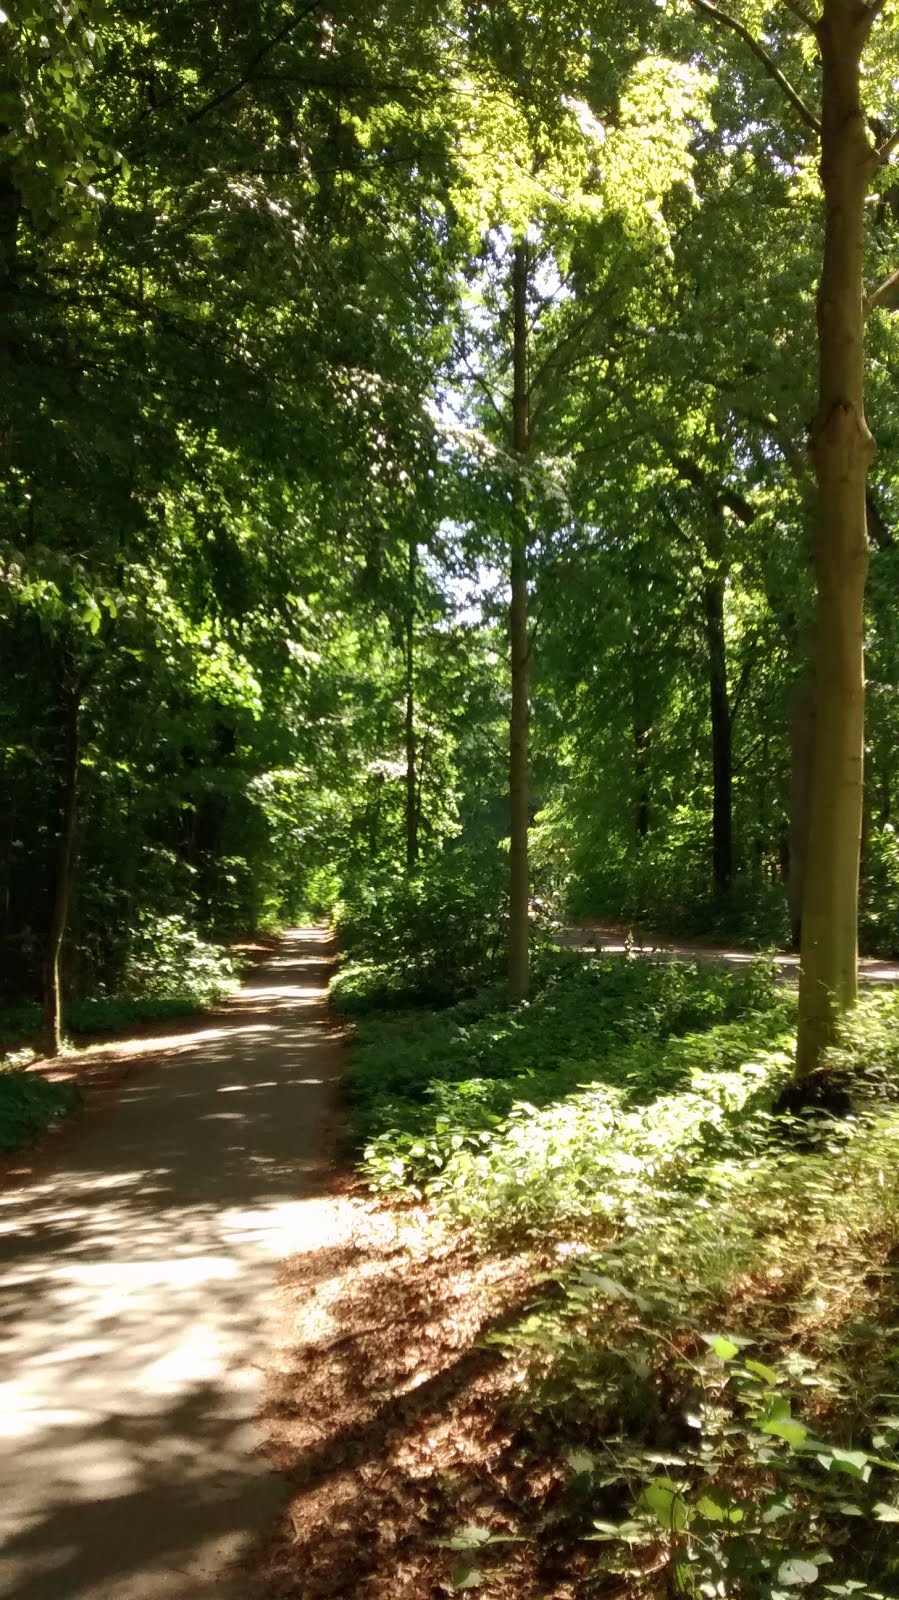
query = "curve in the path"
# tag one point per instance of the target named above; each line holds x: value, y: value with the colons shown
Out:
x: 135, y: 1282
x: 592, y: 937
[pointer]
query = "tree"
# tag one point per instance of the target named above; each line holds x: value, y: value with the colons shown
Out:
x: 842, y: 450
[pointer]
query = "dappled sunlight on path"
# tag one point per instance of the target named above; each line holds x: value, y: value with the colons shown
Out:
x: 135, y: 1282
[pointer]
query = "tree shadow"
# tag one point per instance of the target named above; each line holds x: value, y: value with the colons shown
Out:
x: 136, y: 1276
x: 381, y: 1424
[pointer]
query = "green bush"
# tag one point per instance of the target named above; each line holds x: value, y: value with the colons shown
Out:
x: 28, y: 1104
x: 625, y: 1124
x: 423, y: 940
x: 879, y: 913
x: 171, y: 971
x: 169, y: 958
x: 429, y: 1092
x: 88, y: 1017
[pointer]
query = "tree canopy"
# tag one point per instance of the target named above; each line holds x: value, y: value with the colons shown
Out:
x: 323, y: 326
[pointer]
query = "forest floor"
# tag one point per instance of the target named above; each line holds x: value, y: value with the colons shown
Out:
x: 138, y: 1257
x: 233, y: 1372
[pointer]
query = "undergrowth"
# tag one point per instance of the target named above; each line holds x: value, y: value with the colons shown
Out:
x: 28, y: 1104
x: 712, y: 1356
x: 172, y: 971
x: 424, y: 940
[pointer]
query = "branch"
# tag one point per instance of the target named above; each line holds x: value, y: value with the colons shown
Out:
x: 241, y: 83
x: 742, y: 685
x: 761, y: 54
x: 884, y: 294
x: 887, y: 148
x: 798, y: 10
x: 720, y: 496
x: 878, y: 530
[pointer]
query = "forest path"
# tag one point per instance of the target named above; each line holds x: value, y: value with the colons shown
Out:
x: 592, y: 935
x: 136, y: 1279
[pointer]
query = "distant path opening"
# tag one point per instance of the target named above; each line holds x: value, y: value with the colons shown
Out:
x: 592, y: 936
x: 136, y: 1277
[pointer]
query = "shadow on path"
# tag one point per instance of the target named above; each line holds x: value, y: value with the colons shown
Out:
x: 135, y: 1284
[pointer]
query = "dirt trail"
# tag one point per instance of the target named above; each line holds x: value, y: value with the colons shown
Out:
x: 136, y: 1276
x: 607, y: 938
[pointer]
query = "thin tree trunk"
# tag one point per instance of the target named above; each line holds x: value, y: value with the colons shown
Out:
x: 519, y: 975
x: 842, y: 449
x: 411, y: 786
x: 722, y: 756
x: 62, y: 887
x: 641, y: 780
x: 886, y: 788
x: 419, y: 791
x: 640, y: 717
x: 713, y: 594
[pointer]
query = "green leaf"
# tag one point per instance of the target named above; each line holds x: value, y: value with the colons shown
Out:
x: 886, y: 1513
x: 663, y: 1500
x: 759, y: 1370
x: 724, y: 1348
x: 780, y: 1506
x: 719, y: 1510
x: 793, y: 1433
x: 610, y: 1287
x: 854, y: 1463
x: 469, y: 1538
x: 467, y: 1578
x: 796, y: 1572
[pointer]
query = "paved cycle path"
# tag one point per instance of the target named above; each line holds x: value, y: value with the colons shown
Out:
x: 136, y: 1276
x: 591, y: 936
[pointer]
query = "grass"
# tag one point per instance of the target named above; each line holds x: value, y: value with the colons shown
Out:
x: 714, y: 1348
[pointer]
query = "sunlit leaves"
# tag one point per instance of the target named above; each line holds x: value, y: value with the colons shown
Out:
x: 647, y: 152
x: 46, y: 138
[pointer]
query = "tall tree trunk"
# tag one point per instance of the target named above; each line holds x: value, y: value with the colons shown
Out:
x: 641, y: 779
x: 842, y: 449
x: 722, y: 756
x: 802, y: 744
x: 10, y: 210
x: 885, y: 809
x: 420, y: 783
x: 519, y: 644
x: 62, y: 884
x: 412, y: 799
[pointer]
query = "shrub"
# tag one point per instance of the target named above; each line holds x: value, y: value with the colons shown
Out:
x: 423, y: 940
x: 28, y: 1104
x: 169, y: 958
x: 430, y: 1093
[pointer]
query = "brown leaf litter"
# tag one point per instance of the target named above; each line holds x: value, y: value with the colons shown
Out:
x: 390, y: 1416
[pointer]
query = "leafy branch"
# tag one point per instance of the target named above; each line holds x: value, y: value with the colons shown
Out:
x: 725, y: 20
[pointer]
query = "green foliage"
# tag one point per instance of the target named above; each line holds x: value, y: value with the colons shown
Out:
x: 626, y: 1123
x: 512, y: 1115
x: 754, y: 1498
x: 28, y: 1104
x: 424, y: 939
x: 170, y: 959
x: 171, y: 971
x: 97, y: 1016
x: 879, y: 915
